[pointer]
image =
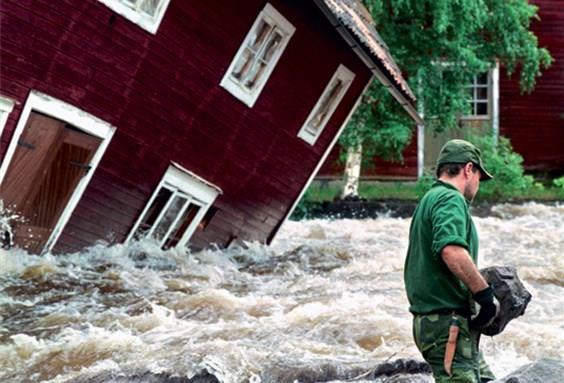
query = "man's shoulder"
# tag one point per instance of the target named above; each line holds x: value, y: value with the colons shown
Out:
x: 441, y: 196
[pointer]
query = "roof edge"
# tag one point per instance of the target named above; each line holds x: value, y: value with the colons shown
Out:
x: 399, y: 90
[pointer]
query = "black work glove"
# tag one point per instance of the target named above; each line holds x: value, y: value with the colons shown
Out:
x: 489, y: 308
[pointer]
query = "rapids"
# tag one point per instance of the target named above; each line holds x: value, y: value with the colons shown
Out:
x: 325, y: 300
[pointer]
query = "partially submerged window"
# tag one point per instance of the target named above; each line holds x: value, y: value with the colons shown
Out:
x: 145, y: 13
x: 176, y: 208
x: 326, y: 105
x: 479, y: 96
x: 258, y: 55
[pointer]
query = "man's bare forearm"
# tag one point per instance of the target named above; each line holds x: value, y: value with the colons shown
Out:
x: 460, y: 264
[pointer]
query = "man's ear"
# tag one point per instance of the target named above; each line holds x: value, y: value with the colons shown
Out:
x: 468, y: 169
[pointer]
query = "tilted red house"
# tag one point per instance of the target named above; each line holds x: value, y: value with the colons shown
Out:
x: 195, y: 122
x: 533, y: 122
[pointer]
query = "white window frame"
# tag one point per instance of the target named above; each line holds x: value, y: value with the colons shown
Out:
x: 495, y: 101
x: 6, y: 107
x: 79, y: 119
x: 325, y: 154
x: 187, y: 184
x: 133, y: 13
x: 234, y: 86
x: 475, y: 86
x: 307, y: 133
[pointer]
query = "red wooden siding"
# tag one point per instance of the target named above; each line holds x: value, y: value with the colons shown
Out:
x: 162, y: 93
x: 379, y: 169
x: 406, y: 169
x: 535, y: 122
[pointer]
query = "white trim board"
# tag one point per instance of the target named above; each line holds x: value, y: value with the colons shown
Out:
x: 420, y: 131
x: 6, y: 107
x: 196, y: 177
x: 342, y: 73
x: 81, y: 120
x: 420, y: 151
x: 322, y: 159
x: 495, y: 102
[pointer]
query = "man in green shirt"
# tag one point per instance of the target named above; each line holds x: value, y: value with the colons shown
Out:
x: 441, y: 277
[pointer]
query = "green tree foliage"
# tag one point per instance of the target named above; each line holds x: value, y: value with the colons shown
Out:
x: 440, y: 45
x: 559, y: 183
x: 506, y: 167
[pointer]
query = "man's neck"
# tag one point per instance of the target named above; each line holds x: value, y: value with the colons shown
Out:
x: 457, y: 182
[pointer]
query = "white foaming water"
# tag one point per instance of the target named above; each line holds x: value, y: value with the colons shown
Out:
x: 324, y: 302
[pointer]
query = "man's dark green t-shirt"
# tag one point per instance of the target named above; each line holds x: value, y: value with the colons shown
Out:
x: 442, y: 218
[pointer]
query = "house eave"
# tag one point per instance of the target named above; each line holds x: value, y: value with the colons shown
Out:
x: 399, y: 89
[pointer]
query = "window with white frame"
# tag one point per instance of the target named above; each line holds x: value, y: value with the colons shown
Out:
x: 326, y: 105
x: 479, y: 96
x: 6, y: 106
x: 176, y: 208
x: 145, y: 13
x: 258, y: 55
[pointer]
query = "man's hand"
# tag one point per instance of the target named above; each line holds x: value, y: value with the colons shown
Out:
x: 489, y: 308
x: 460, y: 264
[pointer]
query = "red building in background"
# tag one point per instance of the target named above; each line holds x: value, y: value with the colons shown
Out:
x: 192, y: 122
x: 534, y: 122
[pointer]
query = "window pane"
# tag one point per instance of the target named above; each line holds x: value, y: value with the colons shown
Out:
x: 255, y: 74
x: 181, y: 226
x: 273, y: 43
x: 470, y: 93
x: 259, y: 35
x: 325, y: 105
x: 481, y: 93
x: 482, y: 79
x: 154, y: 210
x: 150, y: 6
x: 481, y: 108
x: 243, y: 64
x: 168, y: 218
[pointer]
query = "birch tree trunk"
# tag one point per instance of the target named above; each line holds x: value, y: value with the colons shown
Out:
x: 352, y: 172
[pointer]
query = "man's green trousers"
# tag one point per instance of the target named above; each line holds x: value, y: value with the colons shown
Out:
x: 431, y: 334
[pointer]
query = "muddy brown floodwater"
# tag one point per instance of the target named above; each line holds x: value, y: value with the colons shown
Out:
x: 326, y: 293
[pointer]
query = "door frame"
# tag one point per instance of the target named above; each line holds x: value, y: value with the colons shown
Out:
x: 40, y: 102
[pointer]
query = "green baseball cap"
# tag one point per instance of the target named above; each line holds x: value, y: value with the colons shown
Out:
x: 461, y: 152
